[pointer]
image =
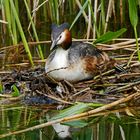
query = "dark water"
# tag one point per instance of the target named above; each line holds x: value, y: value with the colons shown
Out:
x: 115, y: 126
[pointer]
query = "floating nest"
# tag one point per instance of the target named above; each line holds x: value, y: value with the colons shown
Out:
x: 36, y: 88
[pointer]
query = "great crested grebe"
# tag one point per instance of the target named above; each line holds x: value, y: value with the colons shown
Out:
x: 73, y: 61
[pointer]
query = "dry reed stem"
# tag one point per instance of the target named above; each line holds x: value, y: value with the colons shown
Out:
x: 95, y: 18
x: 81, y: 91
x: 3, y: 21
x: 121, y: 11
x: 5, y: 72
x: 19, y: 64
x: 89, y: 23
x: 126, y: 42
x: 109, y: 11
x: 75, y: 117
x: 37, y: 8
x: 10, y: 99
x: 135, y: 64
x: 21, y: 44
x: 105, y: 113
x: 123, y: 88
x: 5, y: 96
x: 90, y: 40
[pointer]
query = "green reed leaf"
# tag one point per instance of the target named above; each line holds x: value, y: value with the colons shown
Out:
x: 1, y: 87
x: 133, y: 15
x: 21, y: 32
x: 79, y: 14
x: 15, y: 92
x: 76, y: 109
x: 109, y: 36
x: 34, y: 29
x: 77, y: 123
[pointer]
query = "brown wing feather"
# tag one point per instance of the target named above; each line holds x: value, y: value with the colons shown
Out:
x: 94, y: 64
x: 94, y: 60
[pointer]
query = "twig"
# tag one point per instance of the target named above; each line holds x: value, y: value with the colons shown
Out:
x: 131, y: 57
x: 121, y: 76
x: 12, y: 99
x: 123, y: 88
x: 105, y: 73
x: 56, y: 69
x: 86, y: 89
x: 55, y: 98
x: 5, y: 72
x: 5, y: 96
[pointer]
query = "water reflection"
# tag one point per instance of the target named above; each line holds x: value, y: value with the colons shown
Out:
x: 116, y: 126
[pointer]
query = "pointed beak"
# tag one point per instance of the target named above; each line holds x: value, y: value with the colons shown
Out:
x: 54, y: 42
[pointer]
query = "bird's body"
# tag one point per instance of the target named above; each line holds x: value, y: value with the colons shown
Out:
x: 73, y: 61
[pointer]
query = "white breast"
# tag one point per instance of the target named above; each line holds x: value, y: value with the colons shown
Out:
x: 58, y: 64
x: 60, y: 59
x: 60, y: 69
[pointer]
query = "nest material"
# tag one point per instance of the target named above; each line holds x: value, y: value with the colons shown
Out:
x: 38, y: 88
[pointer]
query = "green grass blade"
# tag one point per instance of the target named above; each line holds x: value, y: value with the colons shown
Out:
x: 57, y: 10
x: 103, y: 14
x: 1, y: 87
x: 109, y: 36
x: 34, y: 29
x: 8, y: 18
x: 15, y: 92
x: 53, y: 11
x: 86, y: 134
x: 21, y: 32
x: 79, y: 14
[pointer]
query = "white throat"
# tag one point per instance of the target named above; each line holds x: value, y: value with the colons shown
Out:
x: 60, y: 59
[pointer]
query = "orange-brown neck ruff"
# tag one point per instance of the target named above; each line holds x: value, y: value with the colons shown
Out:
x: 68, y: 40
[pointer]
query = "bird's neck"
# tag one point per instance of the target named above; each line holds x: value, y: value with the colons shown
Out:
x: 68, y: 40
